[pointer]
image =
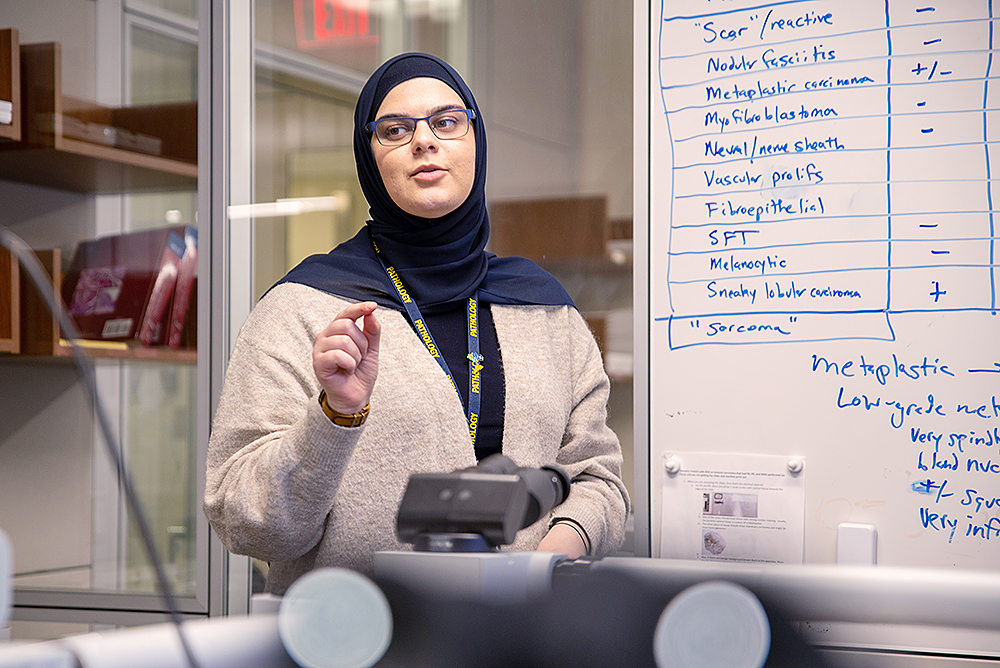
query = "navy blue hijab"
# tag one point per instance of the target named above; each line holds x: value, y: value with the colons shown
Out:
x: 442, y: 261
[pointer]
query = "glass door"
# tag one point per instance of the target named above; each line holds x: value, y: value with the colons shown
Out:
x: 108, y: 154
x: 310, y: 60
x: 551, y: 79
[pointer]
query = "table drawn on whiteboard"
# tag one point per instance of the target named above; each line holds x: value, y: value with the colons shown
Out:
x: 821, y: 187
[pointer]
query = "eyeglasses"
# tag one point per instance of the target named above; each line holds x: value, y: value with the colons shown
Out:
x: 397, y: 131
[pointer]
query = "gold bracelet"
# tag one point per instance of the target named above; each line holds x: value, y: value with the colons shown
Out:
x: 344, y: 419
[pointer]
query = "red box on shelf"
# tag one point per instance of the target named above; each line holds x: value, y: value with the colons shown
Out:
x: 186, y: 276
x: 121, y: 287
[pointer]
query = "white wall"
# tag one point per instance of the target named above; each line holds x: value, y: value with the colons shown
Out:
x: 554, y: 83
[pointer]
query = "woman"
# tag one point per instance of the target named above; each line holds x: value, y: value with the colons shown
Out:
x: 408, y: 349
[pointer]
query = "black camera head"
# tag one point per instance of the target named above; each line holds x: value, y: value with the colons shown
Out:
x: 494, y: 499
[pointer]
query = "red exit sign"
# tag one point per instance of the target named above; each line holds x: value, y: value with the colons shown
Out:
x: 324, y: 23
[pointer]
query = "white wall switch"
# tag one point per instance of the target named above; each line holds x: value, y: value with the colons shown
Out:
x: 857, y: 544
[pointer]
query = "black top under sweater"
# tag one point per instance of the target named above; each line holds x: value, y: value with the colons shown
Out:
x: 450, y: 332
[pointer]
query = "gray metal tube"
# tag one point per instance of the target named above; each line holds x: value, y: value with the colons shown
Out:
x: 240, y: 642
x: 869, y: 594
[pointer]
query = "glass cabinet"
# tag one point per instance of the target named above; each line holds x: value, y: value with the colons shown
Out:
x: 104, y: 101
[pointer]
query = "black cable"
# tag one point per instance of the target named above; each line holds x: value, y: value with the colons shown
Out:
x: 23, y: 253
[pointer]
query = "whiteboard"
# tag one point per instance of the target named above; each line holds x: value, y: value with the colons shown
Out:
x: 817, y: 259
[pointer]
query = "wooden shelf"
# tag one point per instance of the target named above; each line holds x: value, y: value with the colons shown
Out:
x: 10, y: 301
x: 40, y: 335
x: 563, y: 234
x: 39, y: 331
x: 10, y: 83
x: 550, y: 231
x: 58, y: 142
x: 129, y: 351
x: 78, y: 146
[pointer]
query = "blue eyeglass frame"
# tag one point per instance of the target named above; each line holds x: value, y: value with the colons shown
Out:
x: 470, y: 114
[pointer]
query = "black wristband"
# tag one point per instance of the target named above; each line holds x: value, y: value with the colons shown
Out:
x: 577, y: 527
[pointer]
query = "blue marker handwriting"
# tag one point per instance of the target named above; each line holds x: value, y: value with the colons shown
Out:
x: 980, y: 511
x: 882, y: 371
x: 985, y: 411
x: 988, y: 529
x: 974, y: 499
x: 777, y: 290
x: 760, y: 264
x: 938, y: 522
x: 808, y: 173
x: 773, y: 59
x: 743, y: 117
x: 932, y: 520
x: 760, y: 89
x: 937, y: 462
x: 752, y: 27
x: 932, y: 488
x: 735, y: 179
x: 975, y: 465
x: 716, y: 328
x: 822, y: 292
x: 774, y: 207
x: 942, y: 522
x: 742, y: 292
x: 756, y: 148
x: 899, y: 411
x: 956, y: 439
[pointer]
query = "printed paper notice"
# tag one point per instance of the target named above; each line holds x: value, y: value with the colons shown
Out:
x: 730, y: 507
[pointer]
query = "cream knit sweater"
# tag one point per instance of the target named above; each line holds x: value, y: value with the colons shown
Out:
x: 287, y: 486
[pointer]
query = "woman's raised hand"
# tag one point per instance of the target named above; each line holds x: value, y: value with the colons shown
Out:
x: 345, y: 357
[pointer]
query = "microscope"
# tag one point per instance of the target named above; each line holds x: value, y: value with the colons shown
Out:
x: 458, y: 522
